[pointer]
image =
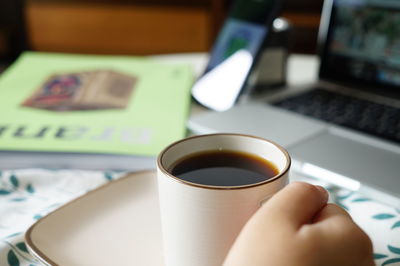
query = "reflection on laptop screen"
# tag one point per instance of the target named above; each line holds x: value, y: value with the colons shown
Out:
x: 363, y: 43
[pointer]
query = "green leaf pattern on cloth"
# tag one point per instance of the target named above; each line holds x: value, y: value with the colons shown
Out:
x: 394, y: 261
x: 383, y: 216
x: 379, y: 256
x: 22, y: 247
x: 14, y: 181
x: 396, y: 224
x: 4, y: 192
x: 394, y: 249
x: 108, y: 176
x: 29, y: 188
x: 360, y: 199
x: 12, y: 258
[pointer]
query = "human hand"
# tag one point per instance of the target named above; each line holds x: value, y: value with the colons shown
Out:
x: 297, y: 227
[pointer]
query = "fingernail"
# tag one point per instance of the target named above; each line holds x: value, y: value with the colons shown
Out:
x: 323, y: 192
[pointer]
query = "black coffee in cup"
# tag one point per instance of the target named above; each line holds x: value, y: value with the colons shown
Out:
x: 224, y: 168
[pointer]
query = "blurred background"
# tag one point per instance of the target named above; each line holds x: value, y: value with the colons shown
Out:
x: 132, y: 27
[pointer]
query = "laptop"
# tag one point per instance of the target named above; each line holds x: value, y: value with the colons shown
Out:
x: 345, y: 128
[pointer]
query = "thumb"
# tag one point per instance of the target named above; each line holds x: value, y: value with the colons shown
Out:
x: 295, y: 205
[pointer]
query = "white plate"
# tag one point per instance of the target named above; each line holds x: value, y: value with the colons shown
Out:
x: 116, y: 224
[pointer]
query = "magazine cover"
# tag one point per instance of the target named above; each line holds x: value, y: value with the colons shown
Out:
x: 92, y: 104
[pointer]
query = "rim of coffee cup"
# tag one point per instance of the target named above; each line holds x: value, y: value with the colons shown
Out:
x: 281, y: 173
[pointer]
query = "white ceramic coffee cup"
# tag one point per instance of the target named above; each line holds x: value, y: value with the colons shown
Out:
x: 201, y: 222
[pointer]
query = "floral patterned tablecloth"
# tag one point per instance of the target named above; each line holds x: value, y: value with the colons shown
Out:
x: 29, y: 194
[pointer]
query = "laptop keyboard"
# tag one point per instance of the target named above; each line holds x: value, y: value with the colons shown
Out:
x: 362, y: 115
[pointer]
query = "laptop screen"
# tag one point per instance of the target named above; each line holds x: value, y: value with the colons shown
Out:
x: 362, y: 43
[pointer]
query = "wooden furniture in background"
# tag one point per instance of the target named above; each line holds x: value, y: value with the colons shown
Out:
x: 12, y: 29
x: 132, y: 26
x: 304, y: 15
x: 122, y: 27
